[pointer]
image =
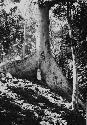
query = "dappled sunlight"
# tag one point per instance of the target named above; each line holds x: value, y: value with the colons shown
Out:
x: 46, y: 101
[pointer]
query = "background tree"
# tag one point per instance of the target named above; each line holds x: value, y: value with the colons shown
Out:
x: 75, y: 9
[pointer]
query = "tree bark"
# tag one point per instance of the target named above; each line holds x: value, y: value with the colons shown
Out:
x: 50, y: 72
x: 42, y: 31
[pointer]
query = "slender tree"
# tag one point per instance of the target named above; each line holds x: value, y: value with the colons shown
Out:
x: 24, y: 39
x: 75, y: 82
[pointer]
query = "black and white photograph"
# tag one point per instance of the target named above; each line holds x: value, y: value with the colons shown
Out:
x: 43, y: 62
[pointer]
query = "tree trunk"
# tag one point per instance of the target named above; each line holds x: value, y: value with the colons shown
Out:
x: 42, y: 30
x: 75, y: 82
x: 42, y: 35
x: 75, y: 85
x: 24, y: 39
x: 50, y: 72
x: 42, y: 60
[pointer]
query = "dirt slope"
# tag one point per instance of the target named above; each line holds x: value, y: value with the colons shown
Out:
x: 26, y: 103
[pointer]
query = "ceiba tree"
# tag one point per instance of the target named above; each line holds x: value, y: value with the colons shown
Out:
x: 49, y: 70
x: 42, y: 62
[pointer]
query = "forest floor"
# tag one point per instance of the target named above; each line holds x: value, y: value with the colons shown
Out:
x: 25, y: 103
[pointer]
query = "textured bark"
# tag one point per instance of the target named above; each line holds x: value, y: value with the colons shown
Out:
x: 42, y: 31
x: 54, y: 77
x: 49, y: 69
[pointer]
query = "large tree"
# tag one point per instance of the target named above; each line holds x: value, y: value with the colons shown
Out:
x: 43, y: 60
